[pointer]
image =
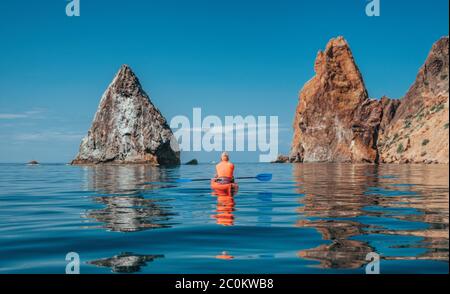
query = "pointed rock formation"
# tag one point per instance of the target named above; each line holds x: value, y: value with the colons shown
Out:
x: 419, y: 131
x: 335, y: 119
x: 128, y: 128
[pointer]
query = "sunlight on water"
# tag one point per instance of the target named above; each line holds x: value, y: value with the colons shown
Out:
x: 311, y: 218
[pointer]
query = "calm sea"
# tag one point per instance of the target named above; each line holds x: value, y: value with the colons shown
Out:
x: 311, y: 218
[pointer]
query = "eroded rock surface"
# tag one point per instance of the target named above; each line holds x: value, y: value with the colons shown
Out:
x: 335, y: 119
x: 419, y: 130
x: 128, y: 128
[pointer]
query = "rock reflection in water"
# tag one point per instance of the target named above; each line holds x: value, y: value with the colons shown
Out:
x: 334, y: 193
x: 341, y: 253
x: 126, y: 210
x: 425, y: 190
x: 125, y: 262
x: 336, y: 196
x: 124, y: 179
x: 130, y: 214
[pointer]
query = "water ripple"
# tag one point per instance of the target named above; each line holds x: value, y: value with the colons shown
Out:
x: 312, y: 218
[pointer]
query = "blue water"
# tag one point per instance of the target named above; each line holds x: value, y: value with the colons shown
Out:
x: 311, y: 218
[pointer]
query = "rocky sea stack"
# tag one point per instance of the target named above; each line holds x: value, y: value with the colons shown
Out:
x: 128, y: 128
x: 336, y: 121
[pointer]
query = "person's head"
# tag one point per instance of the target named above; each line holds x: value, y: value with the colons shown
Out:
x: 225, y: 156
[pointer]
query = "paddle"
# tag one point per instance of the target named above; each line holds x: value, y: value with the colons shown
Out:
x: 260, y: 177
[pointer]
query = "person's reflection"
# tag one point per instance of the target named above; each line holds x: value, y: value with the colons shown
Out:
x: 225, y: 208
x: 225, y: 256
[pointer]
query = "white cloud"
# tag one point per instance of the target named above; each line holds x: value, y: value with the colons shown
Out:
x: 49, y: 136
x: 35, y: 113
x: 12, y: 116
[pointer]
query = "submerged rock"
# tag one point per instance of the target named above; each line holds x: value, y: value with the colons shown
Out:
x: 419, y: 130
x: 128, y: 128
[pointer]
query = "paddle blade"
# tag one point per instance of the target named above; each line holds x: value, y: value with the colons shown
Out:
x: 264, y: 177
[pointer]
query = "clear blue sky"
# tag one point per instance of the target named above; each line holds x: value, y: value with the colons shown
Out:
x: 232, y: 57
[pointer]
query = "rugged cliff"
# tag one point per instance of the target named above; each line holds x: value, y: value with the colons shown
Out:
x: 128, y: 128
x: 336, y: 121
x: 419, y: 130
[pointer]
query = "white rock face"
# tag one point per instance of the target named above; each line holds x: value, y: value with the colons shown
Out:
x: 128, y: 128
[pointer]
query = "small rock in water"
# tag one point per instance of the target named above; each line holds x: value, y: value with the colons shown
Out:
x: 192, y: 162
x: 282, y: 159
